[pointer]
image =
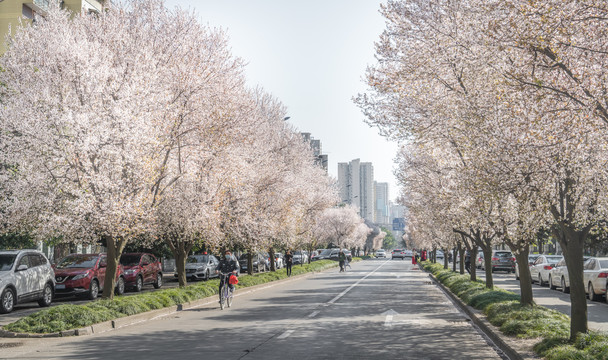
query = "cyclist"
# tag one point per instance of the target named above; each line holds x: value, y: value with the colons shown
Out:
x: 228, y: 265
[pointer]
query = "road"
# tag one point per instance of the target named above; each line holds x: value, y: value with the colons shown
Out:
x: 597, y: 312
x: 379, y: 309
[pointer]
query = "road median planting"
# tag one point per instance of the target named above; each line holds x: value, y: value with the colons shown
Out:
x: 503, y: 310
x: 59, y: 319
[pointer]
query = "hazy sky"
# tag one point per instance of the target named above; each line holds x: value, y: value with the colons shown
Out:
x: 312, y: 56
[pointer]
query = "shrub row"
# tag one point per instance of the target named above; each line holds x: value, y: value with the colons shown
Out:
x: 504, y: 310
x: 69, y: 316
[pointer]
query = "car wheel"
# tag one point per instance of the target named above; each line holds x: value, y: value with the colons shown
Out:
x: 540, y: 280
x: 551, y: 286
x: 592, y: 295
x: 159, y: 281
x: 47, y: 296
x: 565, y: 289
x: 120, y: 286
x: 7, y: 301
x: 139, y: 284
x: 93, y: 290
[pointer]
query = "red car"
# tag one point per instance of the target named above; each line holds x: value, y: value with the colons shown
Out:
x: 84, y: 275
x: 141, y: 269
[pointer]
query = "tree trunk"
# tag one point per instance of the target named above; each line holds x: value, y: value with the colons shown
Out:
x: 487, y: 264
x: 445, y: 258
x: 473, y: 263
x: 250, y: 263
x: 461, y: 253
x: 272, y: 264
x: 115, y: 248
x: 180, y: 265
x: 454, y: 254
x: 572, y: 243
x: 525, y: 281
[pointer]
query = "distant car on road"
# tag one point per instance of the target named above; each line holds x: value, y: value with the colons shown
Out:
x: 502, y: 260
x: 141, y: 269
x: 398, y: 254
x: 278, y: 260
x: 25, y: 276
x: 439, y: 255
x: 300, y: 257
x: 381, y: 253
x: 200, y: 267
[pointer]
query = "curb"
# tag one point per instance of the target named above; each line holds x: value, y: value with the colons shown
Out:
x: 111, y: 325
x: 500, y: 340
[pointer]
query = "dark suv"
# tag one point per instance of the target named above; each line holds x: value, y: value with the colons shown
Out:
x: 141, y: 269
x: 503, y: 260
x: 84, y: 274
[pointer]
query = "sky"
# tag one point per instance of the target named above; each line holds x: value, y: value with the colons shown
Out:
x: 312, y: 56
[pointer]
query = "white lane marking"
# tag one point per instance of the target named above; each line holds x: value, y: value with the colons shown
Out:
x: 285, y: 334
x: 388, y: 322
x: 355, y: 284
x: 314, y: 313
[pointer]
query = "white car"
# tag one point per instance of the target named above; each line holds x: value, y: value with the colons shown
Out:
x: 539, y: 270
x: 25, y: 276
x: 595, y: 274
x: 381, y: 253
x: 439, y: 255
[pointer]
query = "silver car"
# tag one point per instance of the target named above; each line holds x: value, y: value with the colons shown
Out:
x: 25, y: 276
x: 595, y: 273
x: 200, y: 267
x: 539, y: 270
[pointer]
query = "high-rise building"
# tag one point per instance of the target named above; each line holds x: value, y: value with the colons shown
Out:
x: 12, y: 11
x: 381, y: 201
x: 356, y: 182
x: 315, y: 145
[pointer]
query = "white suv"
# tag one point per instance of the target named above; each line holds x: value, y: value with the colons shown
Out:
x: 25, y: 275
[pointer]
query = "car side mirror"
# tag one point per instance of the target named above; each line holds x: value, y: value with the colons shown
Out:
x: 22, y: 267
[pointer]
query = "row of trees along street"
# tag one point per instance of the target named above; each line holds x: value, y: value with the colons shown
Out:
x: 500, y: 107
x: 136, y: 124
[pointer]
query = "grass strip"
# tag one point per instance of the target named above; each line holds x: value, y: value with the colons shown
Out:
x: 504, y: 310
x: 69, y: 316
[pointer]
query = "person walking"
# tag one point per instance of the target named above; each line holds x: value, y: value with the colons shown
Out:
x: 288, y: 262
x: 342, y: 259
x: 467, y: 262
x: 414, y: 257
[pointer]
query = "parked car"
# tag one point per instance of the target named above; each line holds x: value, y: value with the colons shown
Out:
x: 200, y: 267
x: 141, y: 269
x: 84, y: 275
x: 439, y: 255
x: 300, y: 257
x: 381, y: 253
x: 539, y: 271
x: 409, y: 253
x: 328, y: 254
x: 595, y: 274
x: 25, y: 276
x: 398, y: 254
x: 279, y: 263
x: 558, y: 276
x: 258, y: 262
x: 531, y: 259
x: 502, y: 260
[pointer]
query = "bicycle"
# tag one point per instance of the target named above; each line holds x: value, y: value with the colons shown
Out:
x: 227, y: 294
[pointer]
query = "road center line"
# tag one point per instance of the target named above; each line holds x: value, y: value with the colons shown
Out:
x: 314, y: 313
x: 355, y: 284
x: 285, y: 334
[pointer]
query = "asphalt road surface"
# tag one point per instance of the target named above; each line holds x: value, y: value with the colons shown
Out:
x: 379, y: 309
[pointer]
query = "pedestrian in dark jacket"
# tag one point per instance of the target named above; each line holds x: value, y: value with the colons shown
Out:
x: 342, y: 259
x: 227, y: 265
x: 288, y: 262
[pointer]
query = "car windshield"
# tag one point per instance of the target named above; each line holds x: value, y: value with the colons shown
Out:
x: 297, y: 252
x: 503, y: 254
x: 6, y: 262
x: 77, y: 261
x: 396, y: 250
x: 197, y: 259
x: 326, y: 252
x: 129, y: 260
x: 553, y: 259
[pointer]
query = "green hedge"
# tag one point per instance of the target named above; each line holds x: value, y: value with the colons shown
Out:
x: 68, y: 317
x: 504, y: 310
